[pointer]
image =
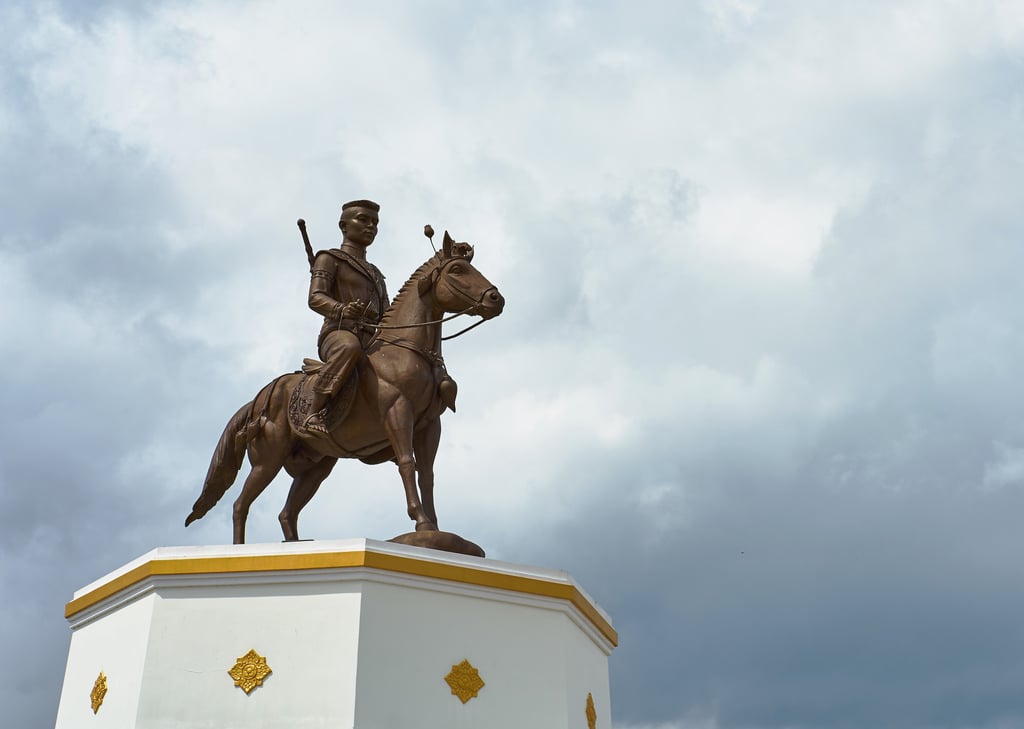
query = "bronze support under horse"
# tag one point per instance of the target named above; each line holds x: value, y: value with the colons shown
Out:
x: 402, y: 391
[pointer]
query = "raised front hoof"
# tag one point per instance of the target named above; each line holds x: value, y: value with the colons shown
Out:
x: 444, y: 541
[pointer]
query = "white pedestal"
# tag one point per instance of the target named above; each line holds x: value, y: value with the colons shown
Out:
x: 356, y: 633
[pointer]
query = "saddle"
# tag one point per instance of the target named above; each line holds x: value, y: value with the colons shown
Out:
x: 338, y: 407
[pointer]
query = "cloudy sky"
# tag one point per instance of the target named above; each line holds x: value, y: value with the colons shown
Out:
x: 756, y: 386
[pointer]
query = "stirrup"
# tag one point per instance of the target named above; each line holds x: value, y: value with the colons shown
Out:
x: 315, y: 422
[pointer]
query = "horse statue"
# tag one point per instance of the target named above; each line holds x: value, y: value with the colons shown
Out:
x: 394, y: 402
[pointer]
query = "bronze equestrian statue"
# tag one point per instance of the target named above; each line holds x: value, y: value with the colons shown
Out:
x: 388, y: 409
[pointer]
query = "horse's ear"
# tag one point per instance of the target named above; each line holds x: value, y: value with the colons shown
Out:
x: 448, y: 243
x: 427, y: 282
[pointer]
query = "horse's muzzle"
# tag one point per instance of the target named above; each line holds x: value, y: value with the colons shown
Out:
x: 491, y: 303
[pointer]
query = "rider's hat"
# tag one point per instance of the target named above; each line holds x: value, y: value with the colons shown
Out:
x: 369, y: 204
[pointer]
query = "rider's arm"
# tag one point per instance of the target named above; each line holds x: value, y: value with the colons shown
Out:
x: 321, y: 287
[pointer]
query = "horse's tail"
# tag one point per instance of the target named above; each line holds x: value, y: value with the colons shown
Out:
x: 224, y: 466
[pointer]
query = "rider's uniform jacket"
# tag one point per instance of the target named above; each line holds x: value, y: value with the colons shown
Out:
x: 337, y: 279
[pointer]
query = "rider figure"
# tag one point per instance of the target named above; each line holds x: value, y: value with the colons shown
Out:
x: 349, y: 292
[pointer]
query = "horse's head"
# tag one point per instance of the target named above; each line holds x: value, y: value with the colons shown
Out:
x: 458, y: 286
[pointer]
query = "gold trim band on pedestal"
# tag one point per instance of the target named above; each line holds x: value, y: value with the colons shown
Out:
x: 341, y: 560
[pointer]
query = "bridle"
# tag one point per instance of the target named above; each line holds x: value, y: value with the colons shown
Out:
x: 473, y: 303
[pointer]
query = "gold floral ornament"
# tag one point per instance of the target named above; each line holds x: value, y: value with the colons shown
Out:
x: 99, y: 690
x: 249, y: 671
x: 465, y: 681
x: 591, y: 712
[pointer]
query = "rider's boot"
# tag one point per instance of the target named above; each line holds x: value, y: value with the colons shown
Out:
x: 317, y: 410
x: 315, y: 421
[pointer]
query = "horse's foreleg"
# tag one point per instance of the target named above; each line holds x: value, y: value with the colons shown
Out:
x: 425, y: 444
x: 304, y: 486
x: 398, y: 422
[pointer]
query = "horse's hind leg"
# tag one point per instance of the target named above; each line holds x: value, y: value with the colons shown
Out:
x: 304, y: 486
x: 259, y: 478
x: 266, y: 454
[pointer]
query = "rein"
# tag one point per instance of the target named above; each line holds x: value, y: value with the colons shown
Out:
x: 379, y: 327
x: 442, y: 320
x: 414, y: 326
x: 459, y: 334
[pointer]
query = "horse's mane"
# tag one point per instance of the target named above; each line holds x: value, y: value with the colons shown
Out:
x: 411, y: 283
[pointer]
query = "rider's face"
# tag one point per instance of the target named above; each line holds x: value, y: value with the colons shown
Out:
x: 361, y: 226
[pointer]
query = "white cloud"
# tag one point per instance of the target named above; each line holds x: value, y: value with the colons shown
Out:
x: 778, y: 235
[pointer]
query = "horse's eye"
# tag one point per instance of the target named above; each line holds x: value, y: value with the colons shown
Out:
x: 456, y: 269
